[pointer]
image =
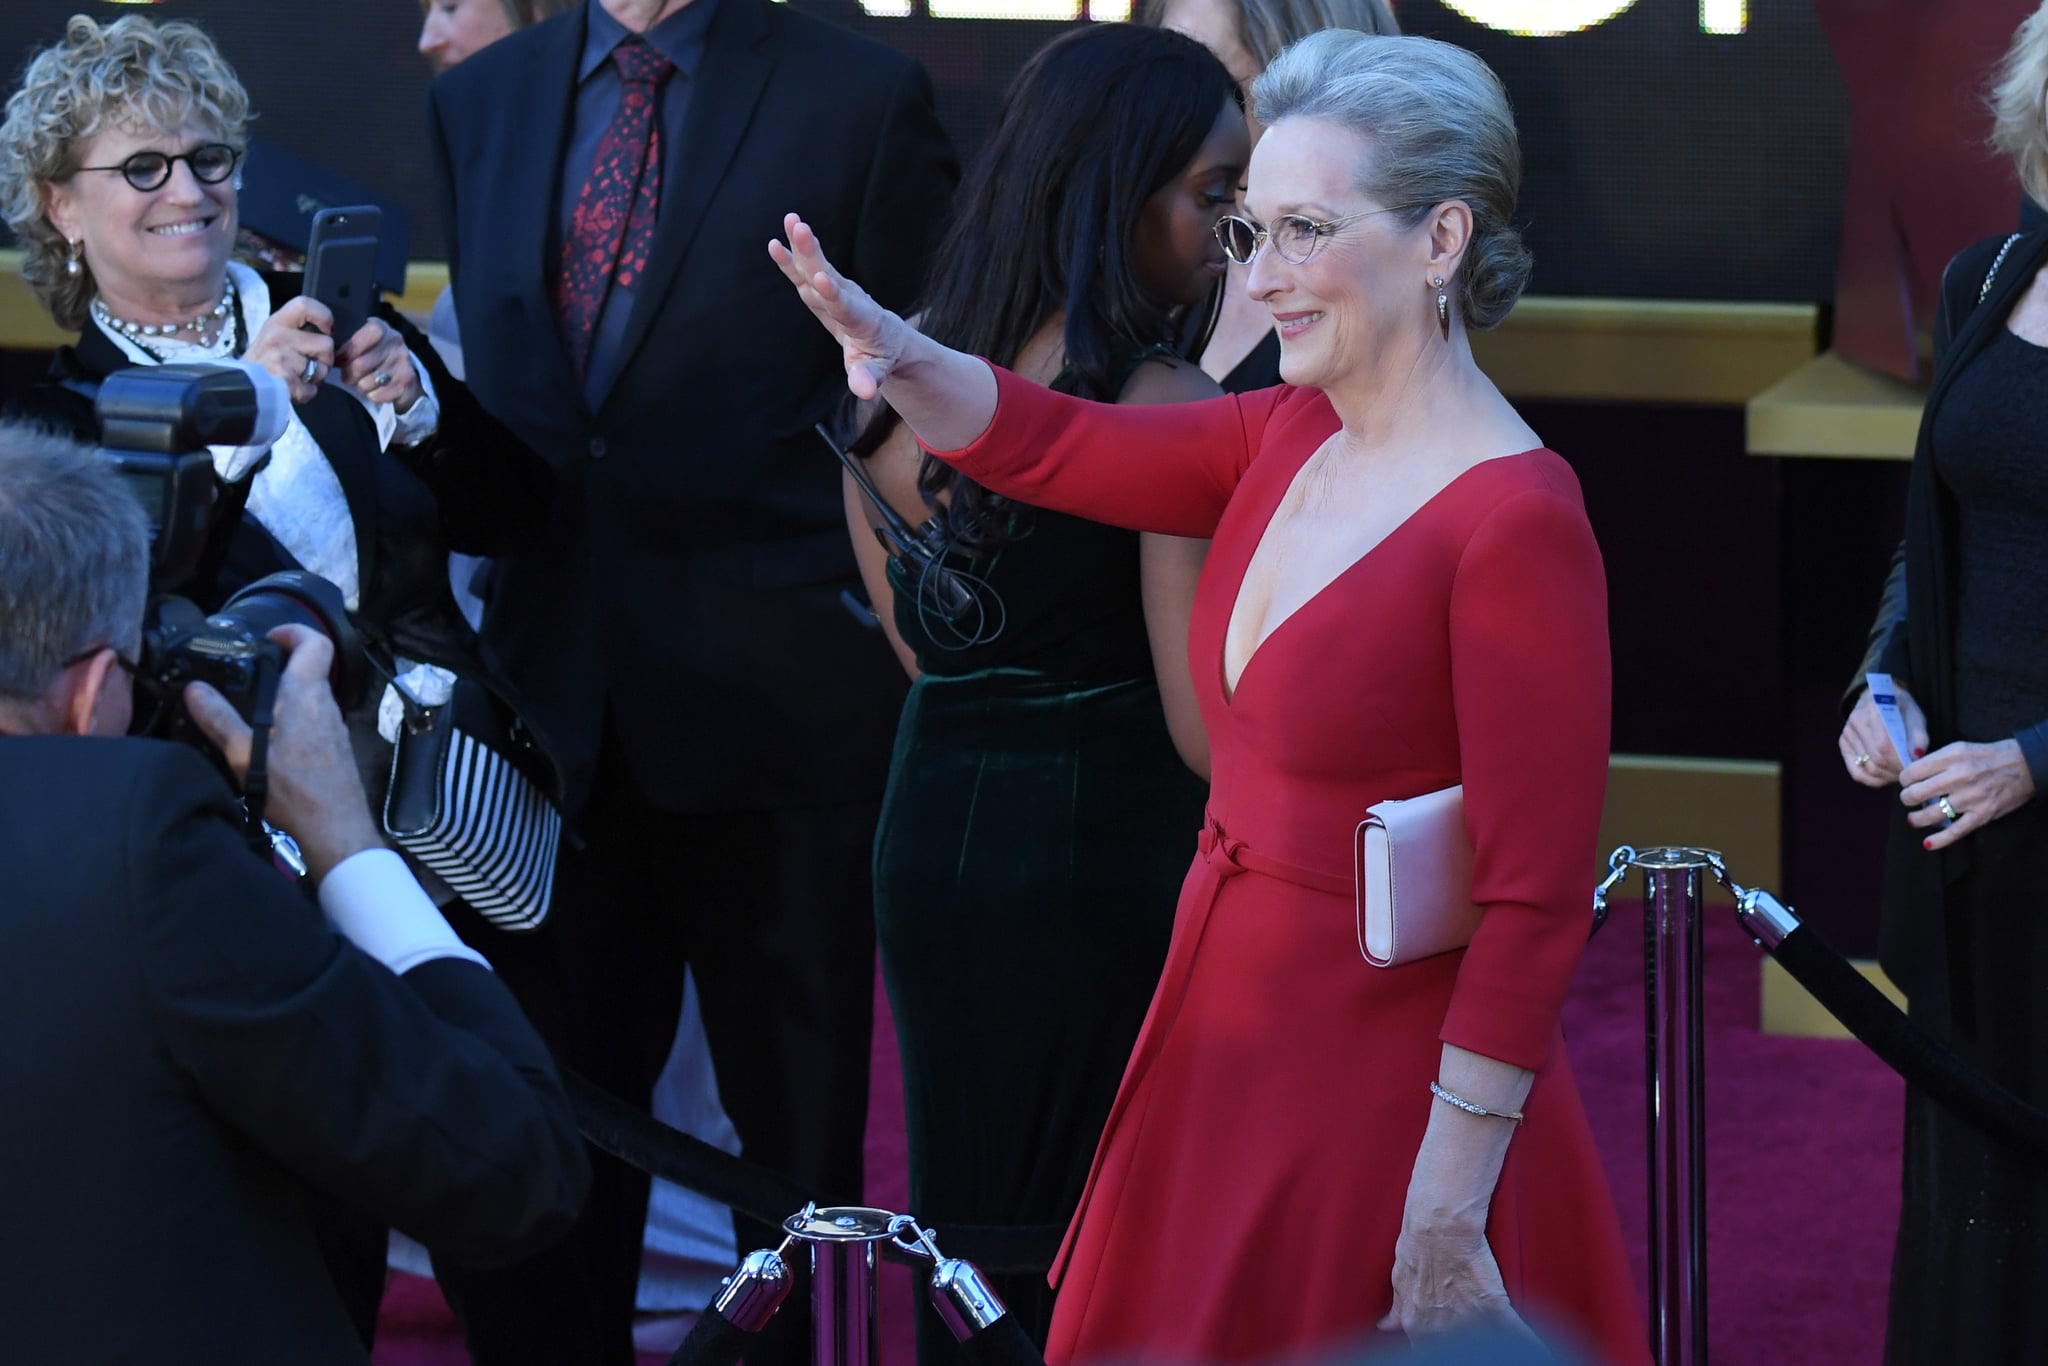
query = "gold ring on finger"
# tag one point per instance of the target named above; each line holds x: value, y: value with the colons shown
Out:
x: 1948, y: 811
x: 1862, y: 760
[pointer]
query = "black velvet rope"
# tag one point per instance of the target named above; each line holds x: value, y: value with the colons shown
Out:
x: 638, y: 1139
x: 1002, y: 1343
x: 1907, y: 1048
x: 715, y: 1341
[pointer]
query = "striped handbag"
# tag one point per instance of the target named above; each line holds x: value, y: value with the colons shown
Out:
x: 469, y: 800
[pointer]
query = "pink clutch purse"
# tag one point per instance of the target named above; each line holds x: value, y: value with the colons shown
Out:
x: 1414, y: 879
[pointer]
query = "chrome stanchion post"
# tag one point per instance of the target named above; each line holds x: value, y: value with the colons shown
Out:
x: 1674, y: 882
x: 844, y: 1242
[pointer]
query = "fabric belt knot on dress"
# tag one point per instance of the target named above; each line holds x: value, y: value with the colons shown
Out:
x: 1230, y: 856
x: 1220, y: 848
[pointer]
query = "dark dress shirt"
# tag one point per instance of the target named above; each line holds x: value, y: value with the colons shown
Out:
x: 680, y: 38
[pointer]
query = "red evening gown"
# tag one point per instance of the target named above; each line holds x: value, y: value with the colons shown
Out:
x: 1248, y: 1188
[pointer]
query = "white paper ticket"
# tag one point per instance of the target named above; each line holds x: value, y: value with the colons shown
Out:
x: 1887, y: 699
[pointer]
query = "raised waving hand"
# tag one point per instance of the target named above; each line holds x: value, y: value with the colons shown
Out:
x: 870, y: 336
x: 947, y: 397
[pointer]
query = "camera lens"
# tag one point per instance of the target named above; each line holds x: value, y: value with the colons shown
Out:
x: 296, y: 598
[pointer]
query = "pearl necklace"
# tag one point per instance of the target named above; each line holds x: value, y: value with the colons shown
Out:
x: 214, y: 317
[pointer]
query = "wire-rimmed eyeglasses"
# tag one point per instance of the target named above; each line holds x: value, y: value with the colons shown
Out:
x: 1293, y: 235
x: 211, y: 163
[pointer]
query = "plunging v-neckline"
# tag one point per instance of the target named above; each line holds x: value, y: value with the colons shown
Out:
x: 1230, y: 691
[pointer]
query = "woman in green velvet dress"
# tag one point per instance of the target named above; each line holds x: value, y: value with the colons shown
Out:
x: 1041, y: 807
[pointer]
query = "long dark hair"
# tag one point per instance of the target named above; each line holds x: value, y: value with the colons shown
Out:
x: 1097, y: 122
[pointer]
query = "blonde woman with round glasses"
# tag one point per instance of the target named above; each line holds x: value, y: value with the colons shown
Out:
x: 1402, y: 595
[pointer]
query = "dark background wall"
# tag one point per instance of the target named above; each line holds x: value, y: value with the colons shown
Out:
x: 1662, y: 161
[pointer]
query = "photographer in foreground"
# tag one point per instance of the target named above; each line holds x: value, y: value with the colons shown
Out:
x: 198, y: 1059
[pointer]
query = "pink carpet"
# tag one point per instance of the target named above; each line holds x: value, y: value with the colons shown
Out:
x: 1802, y: 1168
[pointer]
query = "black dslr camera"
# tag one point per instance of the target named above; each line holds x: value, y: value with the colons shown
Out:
x: 156, y: 423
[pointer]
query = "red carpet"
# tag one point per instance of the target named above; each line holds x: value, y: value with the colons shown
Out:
x: 1802, y: 1168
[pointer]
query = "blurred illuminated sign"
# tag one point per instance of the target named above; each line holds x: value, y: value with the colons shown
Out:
x: 1524, y: 18
x: 1549, y: 18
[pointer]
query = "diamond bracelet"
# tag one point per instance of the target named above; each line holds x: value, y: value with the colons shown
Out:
x: 1470, y: 1108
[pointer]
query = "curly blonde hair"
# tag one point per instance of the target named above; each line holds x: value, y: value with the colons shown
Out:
x: 2019, y: 125
x: 132, y: 71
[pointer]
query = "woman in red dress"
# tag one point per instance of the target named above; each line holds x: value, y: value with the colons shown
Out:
x: 1402, y: 594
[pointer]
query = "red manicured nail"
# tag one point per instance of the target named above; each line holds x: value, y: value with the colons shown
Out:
x: 1927, y: 843
x: 1919, y: 752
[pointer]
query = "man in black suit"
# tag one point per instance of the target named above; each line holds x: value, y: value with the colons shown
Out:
x: 196, y: 1056
x: 687, y: 608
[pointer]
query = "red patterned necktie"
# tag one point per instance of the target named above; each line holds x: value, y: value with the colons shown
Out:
x: 613, y: 226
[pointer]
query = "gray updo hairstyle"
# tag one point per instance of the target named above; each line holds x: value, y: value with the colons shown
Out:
x: 1440, y: 128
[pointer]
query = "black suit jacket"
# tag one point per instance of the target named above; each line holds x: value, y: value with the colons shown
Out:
x: 191, y: 1051
x: 690, y: 580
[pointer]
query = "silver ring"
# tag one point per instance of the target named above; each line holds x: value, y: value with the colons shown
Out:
x: 311, y: 372
x: 1862, y: 759
x: 379, y: 380
x: 1948, y: 811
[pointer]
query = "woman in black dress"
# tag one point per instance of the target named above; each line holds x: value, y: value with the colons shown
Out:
x: 1039, y: 818
x: 1964, y: 632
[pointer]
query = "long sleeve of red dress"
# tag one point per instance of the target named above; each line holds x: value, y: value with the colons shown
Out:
x: 1169, y: 467
x: 1530, y: 683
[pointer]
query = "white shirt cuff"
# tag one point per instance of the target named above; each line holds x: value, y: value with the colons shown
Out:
x: 423, y: 419
x: 373, y: 901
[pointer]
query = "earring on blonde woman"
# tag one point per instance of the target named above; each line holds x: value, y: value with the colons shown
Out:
x: 72, y: 263
x: 1443, y: 306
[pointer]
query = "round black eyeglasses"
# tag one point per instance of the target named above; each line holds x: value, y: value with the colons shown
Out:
x: 211, y: 163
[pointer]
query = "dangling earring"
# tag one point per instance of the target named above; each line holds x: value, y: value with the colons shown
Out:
x: 1443, y: 306
x: 71, y: 264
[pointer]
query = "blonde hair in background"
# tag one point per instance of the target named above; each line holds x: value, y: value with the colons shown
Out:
x: 2019, y: 84
x: 157, y: 76
x: 1439, y: 126
x: 1269, y: 27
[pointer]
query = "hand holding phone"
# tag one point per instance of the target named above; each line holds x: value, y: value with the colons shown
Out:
x: 341, y: 266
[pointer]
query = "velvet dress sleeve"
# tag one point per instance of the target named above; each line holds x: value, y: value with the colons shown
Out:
x: 1962, y: 280
x: 1530, y: 683
x: 1168, y: 467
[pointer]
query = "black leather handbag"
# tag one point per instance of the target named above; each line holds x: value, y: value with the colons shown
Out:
x: 470, y: 799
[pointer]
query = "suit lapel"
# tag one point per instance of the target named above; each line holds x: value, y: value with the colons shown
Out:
x: 727, y: 89
x: 537, y: 132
